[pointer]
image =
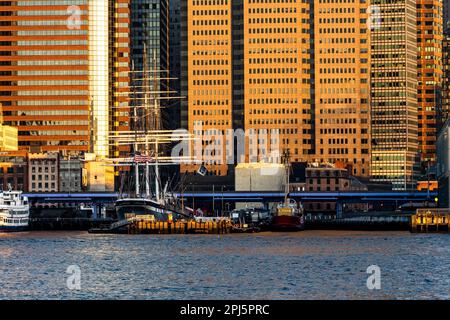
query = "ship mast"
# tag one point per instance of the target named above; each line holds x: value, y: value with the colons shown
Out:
x: 145, y: 84
x: 147, y: 133
x: 136, y: 166
x: 156, y: 127
x: 287, y: 166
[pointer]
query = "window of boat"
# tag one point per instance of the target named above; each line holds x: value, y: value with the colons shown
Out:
x: 255, y: 216
x: 132, y: 209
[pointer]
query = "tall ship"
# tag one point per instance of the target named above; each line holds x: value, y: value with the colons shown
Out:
x: 146, y: 137
x: 289, y: 215
x: 14, y: 211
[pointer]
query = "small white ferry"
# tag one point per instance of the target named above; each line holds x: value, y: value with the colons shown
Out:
x: 14, y: 211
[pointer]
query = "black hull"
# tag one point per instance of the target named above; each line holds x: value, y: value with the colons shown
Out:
x: 141, y: 207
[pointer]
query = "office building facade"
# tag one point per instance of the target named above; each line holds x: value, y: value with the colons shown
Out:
x: 299, y: 68
x: 61, y: 66
x: 394, y: 94
x: 429, y: 68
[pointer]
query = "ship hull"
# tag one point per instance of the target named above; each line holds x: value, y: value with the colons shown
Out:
x: 137, y: 207
x: 287, y: 223
x: 13, y: 228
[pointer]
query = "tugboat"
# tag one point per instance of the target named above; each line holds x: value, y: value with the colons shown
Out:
x: 14, y: 211
x: 289, y: 214
x: 288, y: 217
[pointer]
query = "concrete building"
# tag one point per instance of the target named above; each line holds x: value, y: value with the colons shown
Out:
x: 14, y: 170
x: 97, y: 175
x: 395, y: 153
x: 259, y: 177
x: 70, y: 173
x: 43, y: 172
x: 63, y: 68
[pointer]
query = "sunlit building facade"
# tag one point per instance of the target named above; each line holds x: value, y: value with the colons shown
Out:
x: 206, y: 68
x: 61, y: 64
x: 298, y: 68
x: 342, y: 84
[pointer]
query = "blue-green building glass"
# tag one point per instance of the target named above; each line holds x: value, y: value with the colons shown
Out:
x: 150, y: 33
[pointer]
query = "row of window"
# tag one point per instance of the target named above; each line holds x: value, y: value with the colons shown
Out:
x: 14, y: 221
x: 268, y: 40
x: 51, y: 3
x: 41, y: 177
x: 48, y: 186
x: 271, y: 101
x: 268, y: 10
x: 283, y: 80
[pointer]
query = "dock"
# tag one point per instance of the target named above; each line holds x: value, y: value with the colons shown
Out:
x: 431, y: 220
x: 143, y: 226
x: 57, y: 223
x: 359, y: 222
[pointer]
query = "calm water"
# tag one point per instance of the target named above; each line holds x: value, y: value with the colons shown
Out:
x: 304, y: 265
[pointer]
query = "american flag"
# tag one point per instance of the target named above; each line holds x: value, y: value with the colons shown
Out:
x: 142, y: 158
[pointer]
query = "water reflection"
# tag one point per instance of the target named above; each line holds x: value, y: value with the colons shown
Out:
x: 305, y: 265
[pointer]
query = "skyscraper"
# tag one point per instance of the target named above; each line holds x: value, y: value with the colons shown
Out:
x: 429, y: 55
x: 61, y: 66
x: 394, y: 94
x: 174, y: 61
x: 342, y: 84
x: 206, y: 68
x: 298, y: 67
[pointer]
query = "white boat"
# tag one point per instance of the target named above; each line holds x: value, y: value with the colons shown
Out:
x: 14, y: 211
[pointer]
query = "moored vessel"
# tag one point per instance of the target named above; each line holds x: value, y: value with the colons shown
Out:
x: 154, y: 203
x: 289, y: 215
x: 14, y: 211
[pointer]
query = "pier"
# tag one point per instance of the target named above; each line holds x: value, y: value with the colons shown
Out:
x: 365, y: 222
x: 431, y: 220
x: 78, y: 224
x: 147, y: 226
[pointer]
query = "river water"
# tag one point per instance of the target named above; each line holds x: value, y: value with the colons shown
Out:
x: 303, y: 265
